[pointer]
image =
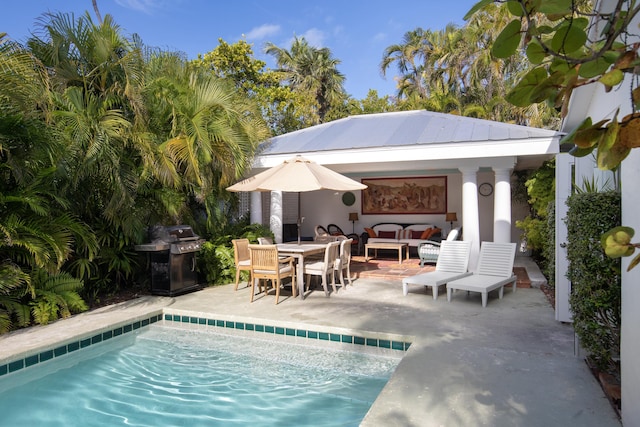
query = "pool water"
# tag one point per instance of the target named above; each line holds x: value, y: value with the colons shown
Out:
x: 163, y: 376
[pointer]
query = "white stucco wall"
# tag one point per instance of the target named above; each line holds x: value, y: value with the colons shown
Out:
x: 630, y: 345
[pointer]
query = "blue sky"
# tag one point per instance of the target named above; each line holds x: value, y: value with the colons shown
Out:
x: 357, y: 32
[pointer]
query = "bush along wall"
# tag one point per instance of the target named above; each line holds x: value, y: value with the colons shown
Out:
x: 549, y: 250
x: 595, y: 278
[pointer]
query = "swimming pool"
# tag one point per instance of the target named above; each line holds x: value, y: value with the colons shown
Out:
x: 163, y: 375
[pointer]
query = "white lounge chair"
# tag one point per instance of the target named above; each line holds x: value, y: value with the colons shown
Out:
x: 452, y: 264
x: 495, y: 270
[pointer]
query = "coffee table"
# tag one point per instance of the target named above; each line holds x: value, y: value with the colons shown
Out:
x: 386, y: 245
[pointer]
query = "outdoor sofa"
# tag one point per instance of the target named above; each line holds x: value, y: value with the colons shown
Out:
x: 411, y: 234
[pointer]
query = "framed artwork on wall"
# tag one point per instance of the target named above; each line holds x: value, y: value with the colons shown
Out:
x: 410, y: 195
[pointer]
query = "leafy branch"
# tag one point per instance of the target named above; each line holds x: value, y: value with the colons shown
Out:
x: 563, y: 41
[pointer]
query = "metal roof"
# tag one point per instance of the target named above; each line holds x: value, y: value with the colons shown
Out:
x: 405, y: 128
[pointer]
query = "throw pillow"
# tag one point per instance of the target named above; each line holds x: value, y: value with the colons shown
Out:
x: 371, y: 232
x: 426, y: 234
x: 416, y: 234
x: 387, y: 234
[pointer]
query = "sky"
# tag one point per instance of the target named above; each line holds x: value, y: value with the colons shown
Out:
x: 356, y: 31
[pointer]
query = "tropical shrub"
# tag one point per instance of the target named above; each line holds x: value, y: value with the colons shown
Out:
x: 549, y: 250
x: 595, y: 278
x: 216, y: 264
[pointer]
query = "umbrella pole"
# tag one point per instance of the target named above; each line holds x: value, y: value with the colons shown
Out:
x: 299, y: 219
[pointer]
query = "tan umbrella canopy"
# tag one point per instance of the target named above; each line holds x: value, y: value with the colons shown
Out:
x: 297, y: 175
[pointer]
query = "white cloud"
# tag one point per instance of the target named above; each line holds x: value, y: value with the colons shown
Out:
x: 314, y: 37
x: 263, y: 31
x: 145, y: 6
x: 380, y: 37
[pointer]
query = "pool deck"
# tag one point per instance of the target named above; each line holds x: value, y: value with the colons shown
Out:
x: 509, y: 364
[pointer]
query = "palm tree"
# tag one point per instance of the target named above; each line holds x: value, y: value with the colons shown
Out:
x: 410, y: 57
x: 37, y: 233
x: 205, y: 134
x: 311, y: 70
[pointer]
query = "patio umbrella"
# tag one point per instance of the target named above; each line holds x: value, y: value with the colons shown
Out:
x: 297, y: 175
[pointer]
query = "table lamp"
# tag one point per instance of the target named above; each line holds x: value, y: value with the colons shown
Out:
x: 353, y: 217
x: 450, y: 217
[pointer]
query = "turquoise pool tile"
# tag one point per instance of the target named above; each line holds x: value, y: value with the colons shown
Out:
x: 136, y: 325
x: 46, y: 355
x: 127, y: 328
x: 249, y: 326
x: 94, y: 339
x: 372, y: 342
x: 220, y: 323
x: 193, y: 320
x: 269, y: 329
x: 347, y: 339
x: 312, y: 335
x: 384, y: 343
x: 85, y: 342
x: 30, y: 361
x: 59, y: 351
x: 407, y: 345
x: 156, y: 318
x: 16, y: 365
x: 290, y: 332
x: 240, y: 325
x: 72, y: 347
x: 117, y: 332
x: 301, y: 333
x: 279, y: 331
x: 358, y: 340
x: 4, y: 369
x: 211, y: 322
x: 168, y: 317
x: 259, y: 328
x: 397, y: 345
x: 323, y: 336
x: 107, y: 335
x: 176, y: 318
x: 145, y: 322
x: 184, y: 319
x: 229, y: 324
x: 334, y: 337
x: 202, y: 321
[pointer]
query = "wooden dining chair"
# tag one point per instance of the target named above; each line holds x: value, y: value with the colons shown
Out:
x: 241, y: 257
x: 343, y: 262
x: 265, y: 240
x: 267, y: 265
x: 323, y: 267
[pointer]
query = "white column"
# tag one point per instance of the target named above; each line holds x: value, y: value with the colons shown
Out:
x: 470, y: 217
x: 502, y: 206
x: 255, y: 208
x: 275, y: 221
x: 564, y: 187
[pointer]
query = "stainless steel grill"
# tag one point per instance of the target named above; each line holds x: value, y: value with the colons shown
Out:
x: 171, y: 255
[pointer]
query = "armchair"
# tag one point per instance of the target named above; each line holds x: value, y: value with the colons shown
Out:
x: 429, y: 250
x: 335, y: 230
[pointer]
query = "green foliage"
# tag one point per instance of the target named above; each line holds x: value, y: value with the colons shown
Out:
x: 56, y: 297
x: 549, y: 248
x: 595, y: 278
x: 564, y: 57
x: 574, y: 44
x: 216, y: 263
x: 541, y: 191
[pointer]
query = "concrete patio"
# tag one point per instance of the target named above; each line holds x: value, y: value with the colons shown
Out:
x: 509, y: 364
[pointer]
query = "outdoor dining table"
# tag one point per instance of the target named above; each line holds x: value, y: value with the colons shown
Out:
x: 299, y: 251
